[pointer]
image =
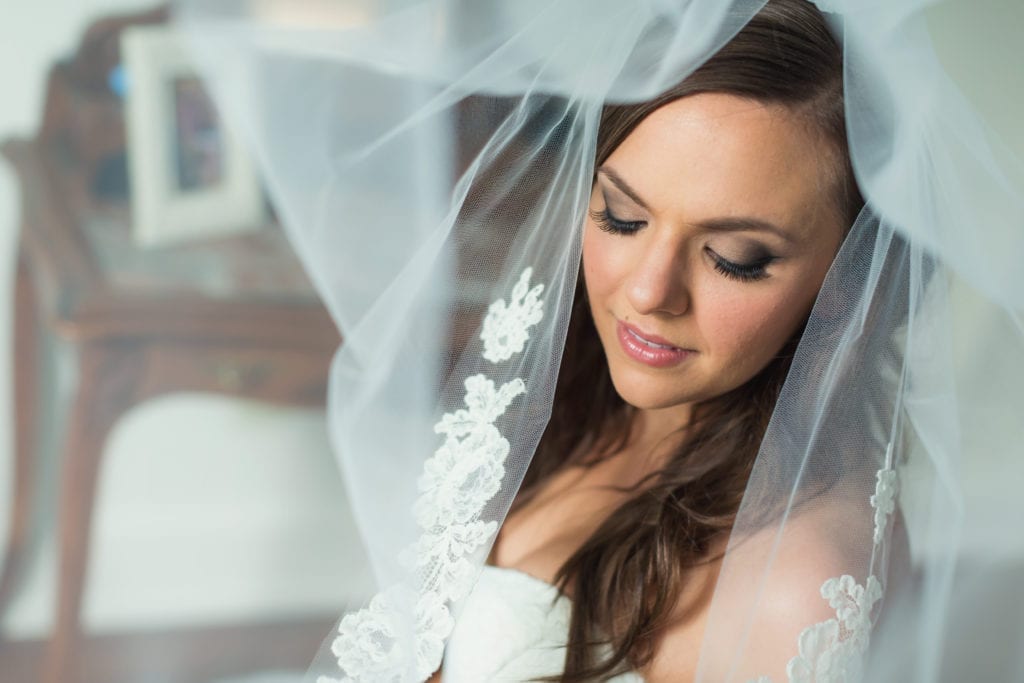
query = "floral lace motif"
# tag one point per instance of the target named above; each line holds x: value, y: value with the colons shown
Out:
x: 507, y: 327
x: 458, y: 480
x: 884, y: 500
x: 832, y: 651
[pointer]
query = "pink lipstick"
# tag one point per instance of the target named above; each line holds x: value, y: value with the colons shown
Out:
x: 649, y: 349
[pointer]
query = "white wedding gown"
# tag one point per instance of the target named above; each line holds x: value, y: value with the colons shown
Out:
x: 512, y: 628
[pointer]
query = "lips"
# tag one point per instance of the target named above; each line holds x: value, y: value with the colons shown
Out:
x: 650, y: 349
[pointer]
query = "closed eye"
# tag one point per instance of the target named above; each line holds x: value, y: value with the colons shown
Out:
x: 747, y: 272
x: 609, y: 223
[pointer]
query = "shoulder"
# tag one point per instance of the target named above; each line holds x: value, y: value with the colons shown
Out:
x: 759, y: 611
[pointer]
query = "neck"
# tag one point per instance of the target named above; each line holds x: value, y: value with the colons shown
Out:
x: 656, y: 424
x: 655, y: 433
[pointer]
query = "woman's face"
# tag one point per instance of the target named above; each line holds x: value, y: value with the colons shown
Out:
x: 711, y: 229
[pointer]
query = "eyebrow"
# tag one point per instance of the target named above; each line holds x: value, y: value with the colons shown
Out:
x: 723, y: 224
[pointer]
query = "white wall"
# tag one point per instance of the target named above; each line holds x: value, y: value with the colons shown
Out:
x: 209, y: 510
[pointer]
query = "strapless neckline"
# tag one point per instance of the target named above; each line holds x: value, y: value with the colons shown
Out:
x: 512, y: 628
x: 527, y: 578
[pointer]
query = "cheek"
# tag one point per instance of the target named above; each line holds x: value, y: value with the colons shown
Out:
x: 747, y: 325
x: 603, y: 264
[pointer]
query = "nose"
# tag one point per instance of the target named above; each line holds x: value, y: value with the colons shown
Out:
x: 658, y: 283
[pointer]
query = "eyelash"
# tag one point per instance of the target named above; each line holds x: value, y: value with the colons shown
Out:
x: 745, y: 272
x: 609, y: 223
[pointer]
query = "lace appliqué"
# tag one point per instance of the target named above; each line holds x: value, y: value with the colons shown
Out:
x: 832, y: 651
x: 884, y: 500
x: 507, y: 327
x: 458, y: 480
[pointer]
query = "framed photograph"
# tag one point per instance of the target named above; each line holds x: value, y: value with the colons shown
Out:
x: 190, y: 177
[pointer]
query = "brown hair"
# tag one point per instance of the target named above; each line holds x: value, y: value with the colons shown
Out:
x: 627, y: 576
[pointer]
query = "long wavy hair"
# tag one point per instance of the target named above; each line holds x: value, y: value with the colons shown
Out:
x: 627, y: 577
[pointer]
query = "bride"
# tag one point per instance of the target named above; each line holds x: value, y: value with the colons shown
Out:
x: 647, y: 371
x: 716, y: 211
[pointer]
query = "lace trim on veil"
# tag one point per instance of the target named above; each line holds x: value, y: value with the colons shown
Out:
x: 832, y: 651
x: 458, y: 480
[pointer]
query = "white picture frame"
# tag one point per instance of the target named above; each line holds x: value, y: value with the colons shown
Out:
x: 191, y: 178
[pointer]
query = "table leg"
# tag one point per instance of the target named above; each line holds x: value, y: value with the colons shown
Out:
x: 25, y: 399
x: 108, y: 376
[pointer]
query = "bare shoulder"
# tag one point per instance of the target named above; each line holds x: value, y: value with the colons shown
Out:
x: 757, y: 613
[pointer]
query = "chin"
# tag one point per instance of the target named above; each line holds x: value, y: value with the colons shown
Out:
x: 647, y: 393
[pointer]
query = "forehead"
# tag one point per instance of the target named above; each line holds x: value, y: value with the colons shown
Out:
x: 715, y: 155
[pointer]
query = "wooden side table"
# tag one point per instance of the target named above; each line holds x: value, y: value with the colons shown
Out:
x: 236, y: 317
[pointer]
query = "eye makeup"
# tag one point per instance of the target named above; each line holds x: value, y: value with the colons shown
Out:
x: 605, y: 220
x: 747, y: 272
x: 744, y: 270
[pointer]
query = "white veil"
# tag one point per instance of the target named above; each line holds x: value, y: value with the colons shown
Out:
x: 431, y: 161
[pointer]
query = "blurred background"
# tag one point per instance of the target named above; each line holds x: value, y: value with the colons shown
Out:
x: 169, y: 506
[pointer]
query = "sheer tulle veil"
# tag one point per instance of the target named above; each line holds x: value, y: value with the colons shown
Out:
x: 432, y: 160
